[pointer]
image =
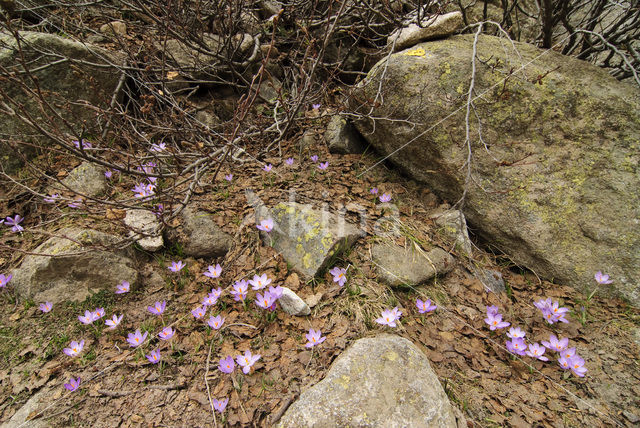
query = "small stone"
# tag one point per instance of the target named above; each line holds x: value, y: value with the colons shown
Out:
x: 115, y: 27
x: 397, y: 266
x: 87, y: 179
x: 292, y: 304
x: 145, y: 225
x: 342, y: 137
x: 199, y: 235
x: 433, y: 27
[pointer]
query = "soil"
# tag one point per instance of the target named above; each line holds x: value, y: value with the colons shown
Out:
x: 492, y: 387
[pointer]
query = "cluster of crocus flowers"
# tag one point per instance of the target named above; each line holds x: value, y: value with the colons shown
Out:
x: 339, y: 275
x: 268, y: 299
x: 144, y: 190
x: 4, y: 280
x: 551, y: 310
x: 314, y: 338
x: 389, y: 317
x: 425, y: 306
x: 89, y: 317
x: 567, y: 357
x: 494, y: 319
x: 265, y: 225
x: 246, y: 361
x: 516, y: 345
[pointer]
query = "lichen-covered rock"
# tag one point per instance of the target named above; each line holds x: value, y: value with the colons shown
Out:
x: 342, y: 137
x: 199, y: 235
x: 145, y: 226
x: 398, y: 266
x: 307, y: 238
x: 557, y: 185
x: 61, y: 83
x: 453, y: 225
x: 385, y: 381
x: 292, y: 304
x: 70, y: 269
x: 86, y: 179
x: 432, y: 27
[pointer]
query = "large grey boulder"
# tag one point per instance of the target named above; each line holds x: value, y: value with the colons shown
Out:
x: 307, y: 238
x: 73, y: 268
x: 72, y: 78
x: 384, y: 381
x: 399, y: 266
x: 199, y: 235
x: 557, y: 186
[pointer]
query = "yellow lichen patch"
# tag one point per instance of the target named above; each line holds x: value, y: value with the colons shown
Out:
x: 391, y: 356
x: 300, y: 249
x: 306, y: 260
x: 343, y: 381
x: 416, y: 52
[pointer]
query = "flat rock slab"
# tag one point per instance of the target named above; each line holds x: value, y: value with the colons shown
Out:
x: 308, y: 238
x: 398, y: 266
x: 144, y: 225
x: 385, y: 381
x: 87, y: 179
x: 70, y: 269
x: 199, y: 235
x: 433, y: 27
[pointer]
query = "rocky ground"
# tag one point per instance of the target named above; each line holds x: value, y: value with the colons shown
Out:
x: 490, y: 386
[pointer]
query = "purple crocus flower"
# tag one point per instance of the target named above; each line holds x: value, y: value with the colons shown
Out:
x: 88, y: 318
x: 314, y: 338
x: 73, y: 384
x: 52, y: 198
x: 515, y: 333
x: 228, y: 177
x: 323, y: 165
x: 289, y: 161
x: 565, y: 363
x: 114, y: 322
x: 556, y: 344
x: 166, y: 333
x: 159, y: 147
x: 602, y: 278
x: 216, y: 292
x: 374, y: 191
x: 246, y: 361
x: 276, y: 292
x: 213, y: 272
x: 315, y: 106
x: 389, y: 317
x: 46, y: 307
x: 15, y: 222
x: 123, y: 287
x: 577, y: 365
x: 215, y: 322
x: 551, y: 310
x: 108, y: 173
x: 74, y: 348
x: 537, y: 351
x: 266, y: 225
x: 77, y: 203
x: 426, y: 306
x: 4, y: 280
x: 495, y: 321
x: 154, y: 357
x: 239, y: 291
x: 259, y: 282
x: 517, y: 346
x: 136, y: 339
x: 385, y: 197
x: 220, y: 405
x: 98, y: 313
x: 158, y: 308
x: 492, y: 310
x: 226, y: 365
x: 265, y: 300
x: 314, y: 158
x: 177, y: 267
x: 85, y: 144
x: 199, y: 312
x: 339, y: 275
x: 267, y: 167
